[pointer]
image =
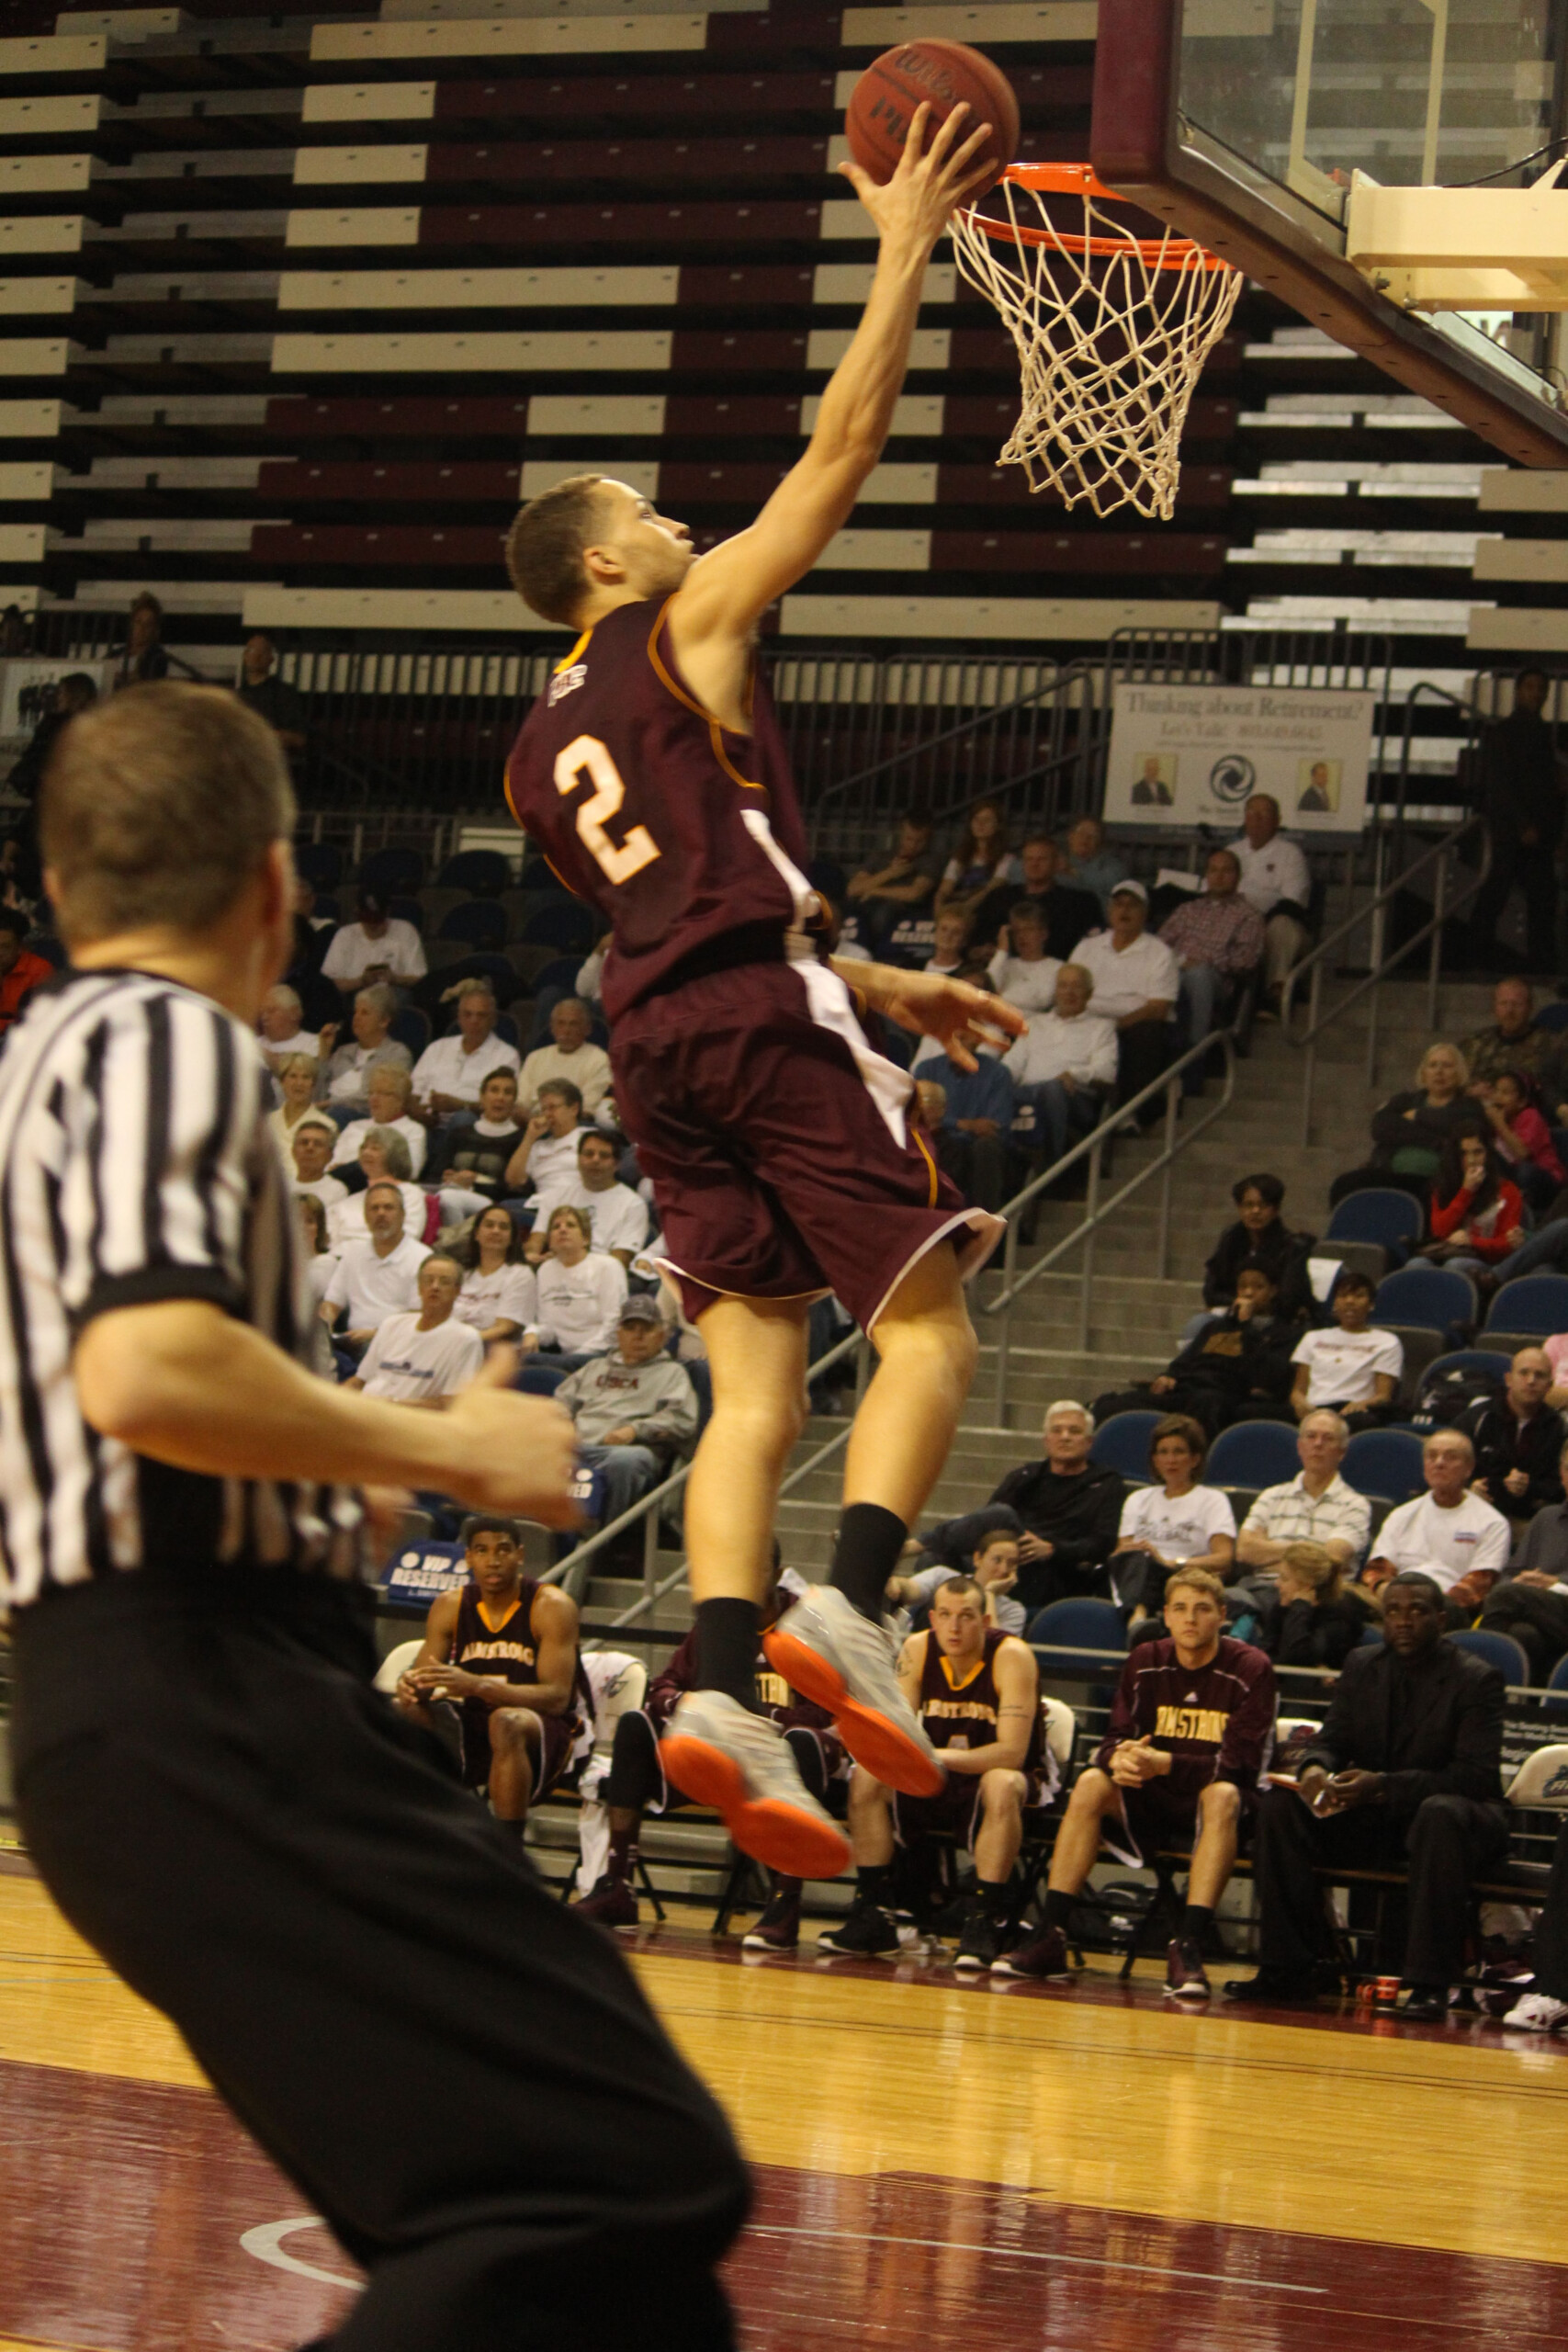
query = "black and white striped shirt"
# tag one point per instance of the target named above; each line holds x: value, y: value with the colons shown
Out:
x: 135, y: 1166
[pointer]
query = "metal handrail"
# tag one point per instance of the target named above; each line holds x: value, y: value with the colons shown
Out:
x: 1074, y: 673
x: 1095, y: 1210
x: 1318, y: 1022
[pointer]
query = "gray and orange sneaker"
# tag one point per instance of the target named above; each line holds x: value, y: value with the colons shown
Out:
x: 825, y: 1649
x: 719, y: 1752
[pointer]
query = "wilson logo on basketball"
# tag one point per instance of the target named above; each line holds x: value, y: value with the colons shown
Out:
x: 930, y: 72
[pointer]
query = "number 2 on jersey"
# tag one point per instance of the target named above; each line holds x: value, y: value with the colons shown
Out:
x: 588, y: 757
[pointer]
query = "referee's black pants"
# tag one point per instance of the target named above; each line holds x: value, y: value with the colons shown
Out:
x: 463, y: 2078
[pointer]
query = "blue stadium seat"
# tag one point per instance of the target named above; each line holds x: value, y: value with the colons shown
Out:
x: 561, y: 974
x: 1078, y: 1626
x: 392, y: 869
x: 1554, y: 1016
x: 539, y: 875
x: 411, y: 1027
x: 1383, y: 1462
x: 700, y: 1377
x: 1531, y: 1308
x: 1490, y: 1360
x: 1370, y: 1638
x: 1255, y: 1453
x: 485, y: 872
x: 1500, y: 1650
x: 1430, y: 1298
x: 479, y: 920
x: 831, y: 880
x: 568, y: 925
x: 320, y: 864
x: 404, y: 909
x: 1123, y: 1443
x: 1380, y: 1215
x: 537, y: 1378
x: 1557, y: 1681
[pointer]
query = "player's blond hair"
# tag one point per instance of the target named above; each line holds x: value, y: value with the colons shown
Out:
x: 158, y: 808
x: 544, y: 546
x: 1200, y: 1579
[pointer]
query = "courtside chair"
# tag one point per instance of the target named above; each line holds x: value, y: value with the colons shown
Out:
x: 1070, y: 1628
x: 1383, y: 1462
x: 1380, y: 1215
x: 1123, y: 1443
x: 1529, y: 1309
x: 1500, y: 1650
x: 1254, y: 1455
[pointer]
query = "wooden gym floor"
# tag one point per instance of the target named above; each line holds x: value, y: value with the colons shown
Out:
x: 1007, y: 2166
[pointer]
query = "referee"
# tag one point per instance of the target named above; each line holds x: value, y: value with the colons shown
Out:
x: 461, y: 2077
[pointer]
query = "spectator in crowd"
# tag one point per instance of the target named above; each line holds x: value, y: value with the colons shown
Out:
x: 321, y: 1260
x: 263, y: 690
x: 383, y: 1160
x: 1529, y: 1601
x: 1301, y: 1614
x: 1136, y: 985
x: 1068, y: 1507
x: 1068, y: 912
x: 503, y: 1650
x: 21, y: 877
x: 1190, y: 1730
x: 450, y: 1072
x: 75, y: 692
x: 378, y: 1276
x: 635, y: 1782
x: 581, y: 1290
x: 1020, y: 971
x: 297, y: 1075
x: 571, y: 1055
x: 1515, y: 1040
x: 1237, y: 1367
x: 1410, y: 1130
x: 1315, y: 1507
x: 1176, y: 1524
x: 900, y: 883
x: 1404, y: 1774
x: 634, y: 1409
x: 1261, y: 1236
x: 1456, y: 1539
x: 1353, y: 1369
x: 1521, y: 1137
x: 1521, y: 798
x: 1064, y: 1066
x: 1275, y: 880
x: 993, y: 1564
x: 1089, y: 864
x: 617, y: 1215
x: 500, y: 1297
x: 1476, y: 1214
x: 982, y: 858
x: 470, y: 1159
x: 281, y: 1031
x: 1518, y: 1441
x: 950, y: 947
x: 311, y: 1146
x: 976, y: 1691
x: 144, y: 656
x: 1217, y: 938
x: 546, y: 1160
x: 387, y: 1090
x: 371, y: 1046
x: 976, y: 1124
x: 21, y: 971
x: 426, y: 1358
x: 379, y: 947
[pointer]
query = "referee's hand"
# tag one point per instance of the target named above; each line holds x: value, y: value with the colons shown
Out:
x: 511, y: 1453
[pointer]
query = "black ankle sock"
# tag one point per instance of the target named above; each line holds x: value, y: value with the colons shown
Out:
x: 872, y: 1881
x: 782, y: 1887
x: 726, y: 1649
x: 1059, y: 1908
x: 513, y: 1828
x: 870, y: 1540
x: 992, y: 1895
x: 1197, y: 1920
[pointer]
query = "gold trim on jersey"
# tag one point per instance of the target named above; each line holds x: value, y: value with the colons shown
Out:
x: 715, y: 725
x: 578, y: 650
x: 918, y: 1142
x: 952, y: 1682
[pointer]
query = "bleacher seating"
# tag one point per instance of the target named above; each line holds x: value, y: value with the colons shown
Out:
x: 1123, y: 1443
x: 1254, y: 1455
x: 1534, y: 1307
x: 1431, y: 1308
x: 1500, y: 1650
x: 1385, y: 1463
x: 1389, y: 1219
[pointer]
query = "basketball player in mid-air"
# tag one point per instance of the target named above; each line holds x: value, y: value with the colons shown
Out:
x: 784, y: 1151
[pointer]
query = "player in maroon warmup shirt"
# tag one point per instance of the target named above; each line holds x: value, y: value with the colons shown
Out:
x: 784, y: 1153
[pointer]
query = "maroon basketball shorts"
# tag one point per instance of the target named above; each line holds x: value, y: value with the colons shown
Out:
x: 953, y: 1811
x: 779, y: 1144
x: 1161, y: 1817
x: 558, y: 1736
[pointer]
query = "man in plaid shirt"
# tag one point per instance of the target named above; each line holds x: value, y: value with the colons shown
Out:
x: 1216, y: 936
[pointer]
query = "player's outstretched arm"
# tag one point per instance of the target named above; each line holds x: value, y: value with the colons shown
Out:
x: 728, y: 590
x: 956, y: 1014
x: 183, y: 1382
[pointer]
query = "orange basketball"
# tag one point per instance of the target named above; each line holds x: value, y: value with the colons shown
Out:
x: 944, y: 72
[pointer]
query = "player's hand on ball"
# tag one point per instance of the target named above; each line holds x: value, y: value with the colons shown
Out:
x: 928, y: 186
x: 509, y: 1452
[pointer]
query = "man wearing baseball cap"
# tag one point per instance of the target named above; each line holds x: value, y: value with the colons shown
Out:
x: 1136, y: 982
x: 632, y: 1409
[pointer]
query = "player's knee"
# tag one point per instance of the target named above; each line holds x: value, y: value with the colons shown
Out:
x: 1094, y: 1791
x: 943, y: 1344
x: 516, y: 1730
x: 768, y: 1426
x: 1219, y: 1804
x: 1001, y: 1791
x: 866, y: 1793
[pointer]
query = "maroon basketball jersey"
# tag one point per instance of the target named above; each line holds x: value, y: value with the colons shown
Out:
x: 682, y: 834
x: 964, y: 1713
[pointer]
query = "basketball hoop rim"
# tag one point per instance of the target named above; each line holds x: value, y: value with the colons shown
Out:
x: 1081, y: 179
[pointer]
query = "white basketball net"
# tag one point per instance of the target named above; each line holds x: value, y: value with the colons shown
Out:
x: 1111, y: 333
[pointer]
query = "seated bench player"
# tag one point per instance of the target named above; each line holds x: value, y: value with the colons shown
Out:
x: 504, y: 1649
x: 636, y: 1783
x: 1192, y: 1728
x: 976, y: 1691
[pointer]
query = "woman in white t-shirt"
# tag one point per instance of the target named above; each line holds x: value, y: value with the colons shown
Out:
x: 581, y: 1291
x: 1176, y: 1524
x: 500, y: 1297
x: 1354, y: 1370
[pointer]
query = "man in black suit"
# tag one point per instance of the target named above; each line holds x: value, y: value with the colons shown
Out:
x: 1406, y: 1770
